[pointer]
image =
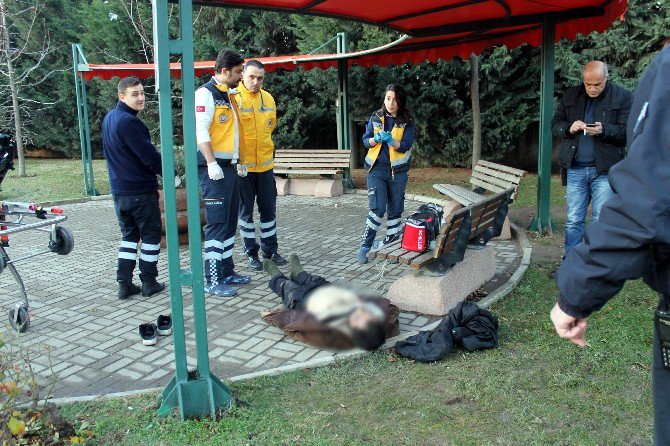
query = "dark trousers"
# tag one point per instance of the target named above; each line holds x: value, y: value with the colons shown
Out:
x: 222, y: 201
x: 294, y: 293
x: 386, y: 193
x: 258, y: 187
x: 139, y: 219
x: 661, y: 393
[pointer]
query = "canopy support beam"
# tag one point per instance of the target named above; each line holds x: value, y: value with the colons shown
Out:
x: 343, y: 141
x: 543, y: 223
x: 79, y: 63
x: 199, y: 392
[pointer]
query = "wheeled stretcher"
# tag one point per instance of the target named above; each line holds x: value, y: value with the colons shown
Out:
x: 18, y: 217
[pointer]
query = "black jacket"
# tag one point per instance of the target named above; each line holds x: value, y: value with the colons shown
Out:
x: 611, y: 110
x: 632, y: 237
x: 132, y: 160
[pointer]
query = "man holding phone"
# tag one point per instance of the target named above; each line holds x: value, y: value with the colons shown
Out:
x: 591, y: 119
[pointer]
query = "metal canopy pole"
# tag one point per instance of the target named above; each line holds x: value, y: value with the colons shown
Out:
x: 343, y: 142
x: 543, y: 222
x: 80, y: 64
x: 197, y: 393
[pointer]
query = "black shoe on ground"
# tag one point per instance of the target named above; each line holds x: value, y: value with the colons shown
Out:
x: 148, y: 333
x: 279, y: 260
x: 236, y: 279
x: 552, y: 274
x: 127, y: 289
x: 164, y: 324
x: 151, y: 288
x: 254, y: 262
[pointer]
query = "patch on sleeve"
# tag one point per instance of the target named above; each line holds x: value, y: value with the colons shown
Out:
x: 199, y: 108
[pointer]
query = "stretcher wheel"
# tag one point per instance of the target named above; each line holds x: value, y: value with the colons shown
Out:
x: 19, y: 318
x: 64, y: 241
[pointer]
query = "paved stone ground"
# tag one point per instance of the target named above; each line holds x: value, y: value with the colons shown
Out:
x: 82, y: 333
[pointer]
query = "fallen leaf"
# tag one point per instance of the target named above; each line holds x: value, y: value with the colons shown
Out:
x: 16, y: 427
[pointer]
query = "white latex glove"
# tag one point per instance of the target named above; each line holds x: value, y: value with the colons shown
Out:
x: 214, y: 171
x: 177, y: 181
x: 242, y: 170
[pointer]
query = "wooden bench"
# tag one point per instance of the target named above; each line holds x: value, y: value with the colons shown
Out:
x: 486, y: 177
x: 311, y: 162
x: 474, y: 225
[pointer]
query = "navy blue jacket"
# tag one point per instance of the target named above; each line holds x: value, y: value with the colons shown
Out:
x: 632, y: 237
x: 611, y: 109
x: 133, y: 162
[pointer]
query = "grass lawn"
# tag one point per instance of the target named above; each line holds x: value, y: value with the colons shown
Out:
x: 52, y: 180
x: 534, y: 389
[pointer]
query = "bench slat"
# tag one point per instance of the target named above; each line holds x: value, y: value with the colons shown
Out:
x: 462, y: 195
x: 308, y: 171
x: 495, y: 182
x: 512, y: 170
x: 506, y: 177
x: 486, y: 185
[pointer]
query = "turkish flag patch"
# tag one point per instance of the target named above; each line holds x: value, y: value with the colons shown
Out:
x: 199, y: 108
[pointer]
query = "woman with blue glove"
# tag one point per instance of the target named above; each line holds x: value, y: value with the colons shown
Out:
x: 388, y: 136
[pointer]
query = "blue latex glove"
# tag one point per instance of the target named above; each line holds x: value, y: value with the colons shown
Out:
x: 378, y: 136
x: 384, y: 135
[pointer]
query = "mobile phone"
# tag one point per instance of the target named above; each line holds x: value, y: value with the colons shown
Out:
x: 662, y: 321
x: 590, y: 125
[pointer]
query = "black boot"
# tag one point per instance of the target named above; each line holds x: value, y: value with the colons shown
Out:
x: 127, y: 289
x: 151, y: 287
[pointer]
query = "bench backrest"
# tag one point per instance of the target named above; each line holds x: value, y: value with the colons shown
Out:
x: 496, y: 177
x: 295, y: 159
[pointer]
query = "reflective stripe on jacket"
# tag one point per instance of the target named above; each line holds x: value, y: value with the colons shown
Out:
x: 399, y: 160
x: 258, y: 115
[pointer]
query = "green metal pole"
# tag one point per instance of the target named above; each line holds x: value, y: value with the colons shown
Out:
x: 201, y: 393
x: 79, y: 63
x: 343, y: 105
x: 543, y: 222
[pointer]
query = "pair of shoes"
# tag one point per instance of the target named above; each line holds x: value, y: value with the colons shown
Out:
x: 149, y: 332
x: 236, y: 279
x: 279, y: 260
x: 127, y: 289
x: 151, y: 287
x: 220, y: 289
x: 362, y: 256
x: 254, y: 262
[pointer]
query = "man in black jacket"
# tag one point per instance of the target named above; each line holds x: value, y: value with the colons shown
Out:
x: 591, y: 119
x: 133, y: 163
x: 632, y: 237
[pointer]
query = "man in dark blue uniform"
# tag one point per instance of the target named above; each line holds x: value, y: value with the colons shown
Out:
x: 632, y: 237
x: 133, y: 163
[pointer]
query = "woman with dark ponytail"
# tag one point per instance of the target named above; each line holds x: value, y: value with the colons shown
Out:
x: 388, y: 136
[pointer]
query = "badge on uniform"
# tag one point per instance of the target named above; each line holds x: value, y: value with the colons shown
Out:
x: 269, y: 122
x: 223, y: 118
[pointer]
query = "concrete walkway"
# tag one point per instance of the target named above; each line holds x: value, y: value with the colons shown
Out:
x: 89, y: 339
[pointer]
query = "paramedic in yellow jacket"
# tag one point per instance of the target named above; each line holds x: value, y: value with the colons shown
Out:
x: 388, y: 136
x: 259, y: 119
x: 218, y: 133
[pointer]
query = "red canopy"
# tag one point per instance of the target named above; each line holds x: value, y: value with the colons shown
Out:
x: 439, y: 29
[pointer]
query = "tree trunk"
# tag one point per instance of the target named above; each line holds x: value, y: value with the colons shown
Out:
x: 18, y: 137
x: 476, y: 112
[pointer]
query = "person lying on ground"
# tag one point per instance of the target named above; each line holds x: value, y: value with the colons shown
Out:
x: 328, y: 315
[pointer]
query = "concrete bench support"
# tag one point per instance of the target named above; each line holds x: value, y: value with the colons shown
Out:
x: 318, y: 187
x: 417, y: 291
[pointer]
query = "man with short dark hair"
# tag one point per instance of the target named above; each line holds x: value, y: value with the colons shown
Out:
x: 591, y: 119
x: 259, y: 118
x: 218, y: 133
x: 133, y: 163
